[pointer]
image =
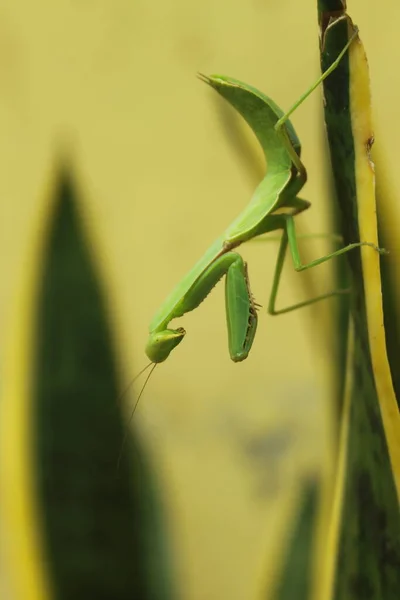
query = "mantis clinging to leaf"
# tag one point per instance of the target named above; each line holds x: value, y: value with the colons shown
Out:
x: 274, y: 205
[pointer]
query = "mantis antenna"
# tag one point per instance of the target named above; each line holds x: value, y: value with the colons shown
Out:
x: 152, y: 366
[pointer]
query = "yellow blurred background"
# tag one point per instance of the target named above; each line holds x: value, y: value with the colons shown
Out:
x: 113, y: 84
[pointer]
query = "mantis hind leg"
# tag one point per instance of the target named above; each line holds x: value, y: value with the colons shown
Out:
x: 289, y: 239
x: 280, y: 124
x: 320, y: 79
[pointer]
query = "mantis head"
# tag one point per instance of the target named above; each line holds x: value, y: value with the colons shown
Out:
x: 161, y: 343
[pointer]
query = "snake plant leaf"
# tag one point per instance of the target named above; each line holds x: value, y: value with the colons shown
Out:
x: 97, y: 528
x: 388, y: 234
x: 296, y: 569
x: 365, y: 549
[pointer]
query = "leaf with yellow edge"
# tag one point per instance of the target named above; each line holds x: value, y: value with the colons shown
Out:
x: 363, y: 549
x: 76, y: 524
x: 388, y: 221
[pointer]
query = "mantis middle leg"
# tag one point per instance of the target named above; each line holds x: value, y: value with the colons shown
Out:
x: 289, y: 238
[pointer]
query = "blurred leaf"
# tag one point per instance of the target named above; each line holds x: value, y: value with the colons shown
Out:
x: 100, y: 528
x: 295, y: 578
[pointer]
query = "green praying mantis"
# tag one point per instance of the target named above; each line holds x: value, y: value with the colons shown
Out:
x: 274, y: 205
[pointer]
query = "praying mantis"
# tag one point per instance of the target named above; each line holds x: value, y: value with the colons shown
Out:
x: 274, y: 205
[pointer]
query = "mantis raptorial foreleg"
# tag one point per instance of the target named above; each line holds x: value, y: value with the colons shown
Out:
x: 239, y: 305
x: 240, y: 308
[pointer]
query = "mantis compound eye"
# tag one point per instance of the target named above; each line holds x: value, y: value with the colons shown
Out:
x: 161, y: 343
